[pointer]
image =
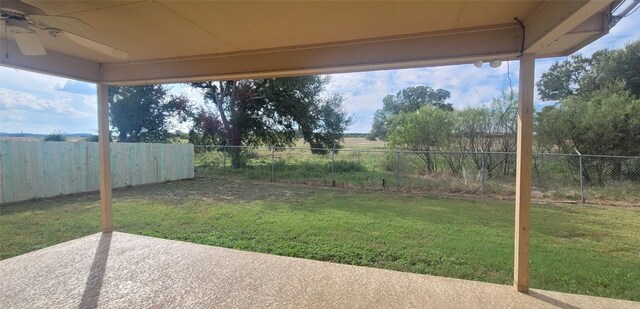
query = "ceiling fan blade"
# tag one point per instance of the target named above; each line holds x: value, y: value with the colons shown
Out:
x: 96, y: 46
x: 66, y: 23
x: 28, y: 41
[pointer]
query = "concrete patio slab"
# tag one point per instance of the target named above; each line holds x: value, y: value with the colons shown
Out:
x: 118, y: 270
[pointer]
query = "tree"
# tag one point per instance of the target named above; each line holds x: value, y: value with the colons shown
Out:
x: 604, y: 122
x: 472, y: 131
x: 597, y: 108
x: 580, y: 75
x: 273, y: 111
x: 407, y: 100
x: 379, y: 126
x: 486, y: 129
x: 142, y: 113
x: 333, y: 121
x: 563, y: 78
x: 597, y: 99
x: 424, y: 130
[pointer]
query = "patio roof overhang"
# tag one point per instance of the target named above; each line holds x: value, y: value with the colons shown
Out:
x: 176, y: 41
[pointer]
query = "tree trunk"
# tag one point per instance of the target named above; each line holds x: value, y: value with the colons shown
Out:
x: 236, y: 159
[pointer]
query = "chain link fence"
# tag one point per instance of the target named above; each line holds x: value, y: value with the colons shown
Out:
x: 556, y: 177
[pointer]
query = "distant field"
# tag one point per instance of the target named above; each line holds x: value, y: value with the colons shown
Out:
x: 574, y: 248
x: 351, y: 142
x: 363, y: 142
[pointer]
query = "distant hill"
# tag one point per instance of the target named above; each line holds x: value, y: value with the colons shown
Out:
x: 35, y: 135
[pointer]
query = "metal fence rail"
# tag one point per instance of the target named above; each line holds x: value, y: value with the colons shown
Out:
x: 560, y: 177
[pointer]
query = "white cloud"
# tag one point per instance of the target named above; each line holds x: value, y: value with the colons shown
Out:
x: 22, y: 80
x: 11, y: 100
x: 77, y: 87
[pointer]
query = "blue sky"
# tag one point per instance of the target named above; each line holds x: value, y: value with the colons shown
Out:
x: 37, y: 103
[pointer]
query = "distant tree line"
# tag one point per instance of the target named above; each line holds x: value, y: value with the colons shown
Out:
x: 596, y: 110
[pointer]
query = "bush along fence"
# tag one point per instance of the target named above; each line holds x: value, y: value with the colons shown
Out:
x: 42, y: 169
x: 558, y: 177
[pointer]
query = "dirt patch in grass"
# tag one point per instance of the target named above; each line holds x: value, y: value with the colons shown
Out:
x: 212, y: 189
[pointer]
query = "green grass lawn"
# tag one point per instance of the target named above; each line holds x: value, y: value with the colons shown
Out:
x: 574, y: 248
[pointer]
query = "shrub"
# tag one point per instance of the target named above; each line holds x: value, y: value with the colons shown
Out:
x: 91, y: 138
x: 55, y: 137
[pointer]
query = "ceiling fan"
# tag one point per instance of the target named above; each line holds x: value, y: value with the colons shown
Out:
x: 21, y: 20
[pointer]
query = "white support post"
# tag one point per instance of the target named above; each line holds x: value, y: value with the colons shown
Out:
x: 523, y: 173
x: 104, y: 157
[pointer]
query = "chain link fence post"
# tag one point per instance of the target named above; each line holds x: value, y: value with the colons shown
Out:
x: 333, y: 160
x: 224, y: 159
x: 397, y: 171
x: 273, y: 162
x: 581, y: 176
x: 482, y: 171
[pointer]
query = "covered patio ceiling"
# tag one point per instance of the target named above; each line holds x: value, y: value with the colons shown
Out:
x: 177, y: 41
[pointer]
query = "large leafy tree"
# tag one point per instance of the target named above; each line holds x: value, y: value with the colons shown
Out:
x: 142, y: 113
x: 273, y: 111
x: 597, y: 108
x: 563, y: 79
x: 407, y: 100
x: 605, y: 121
x: 580, y: 75
x: 597, y: 103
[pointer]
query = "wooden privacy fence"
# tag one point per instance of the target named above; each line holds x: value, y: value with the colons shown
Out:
x: 42, y: 169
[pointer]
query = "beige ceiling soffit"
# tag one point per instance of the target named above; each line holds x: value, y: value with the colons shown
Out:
x: 52, y: 63
x: 594, y: 28
x: 603, y: 19
x: 403, y: 37
x: 556, y: 18
x: 390, y: 53
x: 596, y: 23
x: 318, y: 71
